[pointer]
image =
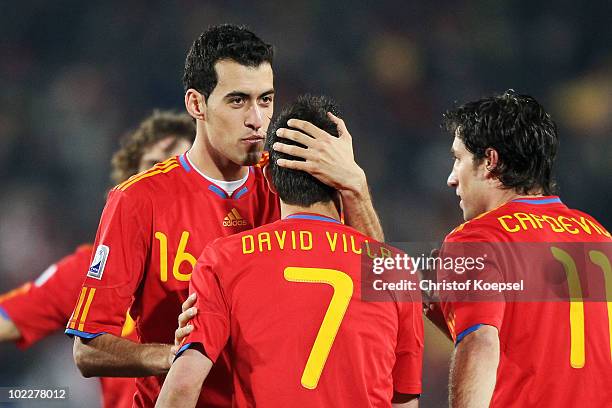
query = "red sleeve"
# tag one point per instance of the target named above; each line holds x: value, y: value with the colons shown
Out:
x: 211, y: 326
x: 407, y: 372
x: 46, y: 305
x: 464, y: 317
x: 465, y: 311
x: 121, y: 251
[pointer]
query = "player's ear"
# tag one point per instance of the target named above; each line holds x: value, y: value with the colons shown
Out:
x: 195, y: 103
x: 268, y: 177
x: 491, y: 162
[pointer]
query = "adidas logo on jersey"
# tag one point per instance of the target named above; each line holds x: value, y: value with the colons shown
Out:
x: 234, y: 219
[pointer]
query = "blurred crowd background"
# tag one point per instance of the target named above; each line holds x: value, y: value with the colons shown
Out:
x: 75, y: 76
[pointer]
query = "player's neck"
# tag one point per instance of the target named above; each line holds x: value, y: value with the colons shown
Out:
x: 203, y: 157
x: 326, y: 209
x: 504, y: 196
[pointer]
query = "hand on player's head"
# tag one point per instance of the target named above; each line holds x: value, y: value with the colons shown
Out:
x: 321, y: 146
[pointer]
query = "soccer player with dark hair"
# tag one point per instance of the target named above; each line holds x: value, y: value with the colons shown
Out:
x: 43, y: 306
x: 524, y: 354
x: 156, y: 224
x: 286, y: 299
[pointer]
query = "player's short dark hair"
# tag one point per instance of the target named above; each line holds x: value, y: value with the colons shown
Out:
x: 293, y: 186
x: 519, y: 129
x: 222, y: 42
x: 156, y: 127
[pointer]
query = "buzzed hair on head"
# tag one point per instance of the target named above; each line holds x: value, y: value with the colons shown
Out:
x: 293, y: 186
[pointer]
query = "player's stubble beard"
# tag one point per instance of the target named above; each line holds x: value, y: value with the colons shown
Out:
x: 253, y: 157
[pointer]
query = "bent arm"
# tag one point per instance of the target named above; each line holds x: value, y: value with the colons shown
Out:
x: 359, y: 210
x: 112, y: 356
x: 184, y: 381
x: 474, y: 369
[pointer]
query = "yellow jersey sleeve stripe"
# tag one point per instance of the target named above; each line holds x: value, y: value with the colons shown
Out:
x: 92, y: 292
x: 165, y: 163
x: 146, y: 175
x: 158, y: 166
x: 77, y: 309
x: 168, y: 160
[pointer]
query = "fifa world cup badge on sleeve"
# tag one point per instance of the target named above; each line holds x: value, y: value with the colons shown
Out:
x: 97, y: 265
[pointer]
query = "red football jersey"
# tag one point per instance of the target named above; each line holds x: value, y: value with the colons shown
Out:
x: 287, y: 296
x: 553, y: 353
x: 44, y: 306
x: 152, y: 230
x: 117, y: 392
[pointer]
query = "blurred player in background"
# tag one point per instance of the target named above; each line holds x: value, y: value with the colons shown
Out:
x: 527, y: 354
x: 286, y: 297
x: 42, y: 307
x: 155, y: 225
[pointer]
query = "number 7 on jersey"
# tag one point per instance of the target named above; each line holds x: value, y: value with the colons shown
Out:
x: 343, y: 291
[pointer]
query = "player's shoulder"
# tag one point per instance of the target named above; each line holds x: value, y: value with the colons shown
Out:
x: 71, y: 266
x: 162, y: 176
x: 83, y: 251
x: 86, y: 247
x: 218, y: 252
x: 482, y: 227
x: 584, y: 218
x: 82, y: 254
x: 585, y: 215
x: 360, y: 236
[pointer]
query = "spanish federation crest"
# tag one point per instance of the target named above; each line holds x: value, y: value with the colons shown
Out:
x: 97, y: 265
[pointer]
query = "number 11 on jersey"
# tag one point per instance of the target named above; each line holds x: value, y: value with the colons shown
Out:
x: 577, y: 341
